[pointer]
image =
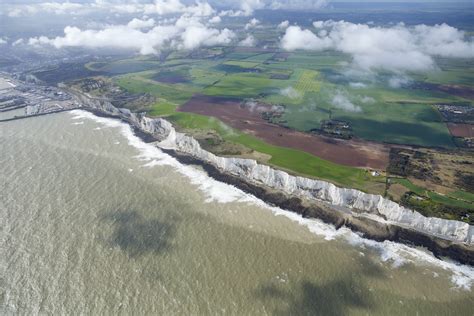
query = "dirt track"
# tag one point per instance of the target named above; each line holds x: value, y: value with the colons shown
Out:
x: 355, y: 153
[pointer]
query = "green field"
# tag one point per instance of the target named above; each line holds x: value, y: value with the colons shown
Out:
x: 383, y: 113
x: 294, y: 161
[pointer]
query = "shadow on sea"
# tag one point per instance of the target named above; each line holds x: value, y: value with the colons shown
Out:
x: 137, y: 235
x: 333, y: 297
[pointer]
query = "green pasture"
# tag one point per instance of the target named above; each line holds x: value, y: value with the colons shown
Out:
x: 294, y: 161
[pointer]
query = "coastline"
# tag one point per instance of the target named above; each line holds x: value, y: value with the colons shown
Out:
x: 368, y: 225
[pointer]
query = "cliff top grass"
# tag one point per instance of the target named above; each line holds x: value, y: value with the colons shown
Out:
x: 376, y: 111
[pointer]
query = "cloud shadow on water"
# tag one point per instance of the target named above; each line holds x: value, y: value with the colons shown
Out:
x: 333, y: 297
x: 137, y: 235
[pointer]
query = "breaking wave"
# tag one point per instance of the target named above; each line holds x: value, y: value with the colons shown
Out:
x: 462, y: 276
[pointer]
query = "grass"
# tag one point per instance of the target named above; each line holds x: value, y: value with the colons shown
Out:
x: 449, y: 200
x: 387, y: 115
x: 308, y: 82
x: 163, y: 108
x: 295, y: 161
x: 241, y: 63
x: 123, y: 66
x: 139, y: 84
x: 245, y: 85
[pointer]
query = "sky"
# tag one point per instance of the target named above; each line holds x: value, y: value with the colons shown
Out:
x: 175, y: 24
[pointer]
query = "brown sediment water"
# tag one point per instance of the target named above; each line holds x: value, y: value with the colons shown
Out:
x: 95, y: 221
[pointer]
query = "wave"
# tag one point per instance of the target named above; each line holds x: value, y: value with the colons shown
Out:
x: 396, y: 254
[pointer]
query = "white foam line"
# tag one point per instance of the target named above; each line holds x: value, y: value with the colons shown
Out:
x: 397, y: 254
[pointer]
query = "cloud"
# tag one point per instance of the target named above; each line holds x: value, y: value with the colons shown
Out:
x: 298, y: 4
x: 249, y: 6
x: 283, y: 25
x: 367, y: 100
x: 249, y: 41
x: 397, y: 82
x: 195, y: 36
x: 297, y: 38
x: 159, y: 7
x: 215, y: 20
x: 141, y: 24
x: 122, y: 37
x: 18, y: 42
x: 357, y: 85
x: 163, y: 7
x: 341, y: 101
x: 3, y: 41
x: 398, y: 48
x: 252, y: 23
x: 291, y: 93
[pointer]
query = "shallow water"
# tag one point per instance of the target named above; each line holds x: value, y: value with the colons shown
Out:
x: 95, y: 221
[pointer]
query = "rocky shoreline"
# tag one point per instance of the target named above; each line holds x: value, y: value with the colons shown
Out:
x: 363, y: 213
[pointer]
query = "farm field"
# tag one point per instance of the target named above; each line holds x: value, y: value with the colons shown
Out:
x: 308, y: 89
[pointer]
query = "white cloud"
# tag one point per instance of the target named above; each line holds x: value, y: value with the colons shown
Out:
x: 160, y: 7
x: 367, y: 100
x: 299, y: 4
x: 283, y: 25
x: 187, y: 32
x: 252, y: 23
x: 120, y: 36
x: 163, y: 7
x: 357, y: 85
x: 249, y: 41
x: 215, y: 20
x: 341, y: 101
x: 249, y: 6
x: 195, y: 36
x: 398, y: 48
x: 18, y: 42
x: 398, y: 81
x: 3, y: 41
x: 297, y: 38
x: 291, y: 93
x: 141, y: 24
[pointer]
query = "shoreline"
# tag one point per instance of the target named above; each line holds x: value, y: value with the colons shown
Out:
x: 367, y: 226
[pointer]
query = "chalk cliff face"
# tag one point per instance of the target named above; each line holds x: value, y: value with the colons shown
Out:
x: 358, y: 202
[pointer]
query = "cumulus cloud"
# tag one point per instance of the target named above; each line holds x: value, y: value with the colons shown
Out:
x: 299, y: 4
x: 215, y: 20
x: 291, y: 93
x: 195, y: 36
x: 283, y: 25
x: 46, y: 7
x: 297, y: 38
x: 357, y: 85
x: 249, y: 41
x: 397, y: 82
x: 187, y: 33
x: 176, y: 6
x: 367, y: 100
x: 252, y: 23
x: 398, y: 48
x: 248, y: 6
x: 341, y: 101
x: 141, y: 24
x: 160, y: 7
x: 3, y: 41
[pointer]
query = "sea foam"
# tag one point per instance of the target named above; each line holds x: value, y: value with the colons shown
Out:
x: 396, y: 254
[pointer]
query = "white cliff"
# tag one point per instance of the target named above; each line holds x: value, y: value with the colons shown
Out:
x: 358, y: 201
x: 249, y: 170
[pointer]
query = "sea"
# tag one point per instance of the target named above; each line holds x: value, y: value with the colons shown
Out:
x: 95, y: 221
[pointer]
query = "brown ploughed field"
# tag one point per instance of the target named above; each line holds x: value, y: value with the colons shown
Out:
x: 355, y: 153
x: 461, y: 130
